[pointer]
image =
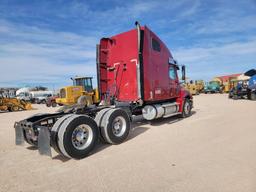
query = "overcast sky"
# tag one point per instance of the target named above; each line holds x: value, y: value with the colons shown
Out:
x: 47, y: 42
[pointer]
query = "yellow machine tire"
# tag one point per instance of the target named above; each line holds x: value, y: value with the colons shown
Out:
x: 15, y: 108
x: 85, y: 100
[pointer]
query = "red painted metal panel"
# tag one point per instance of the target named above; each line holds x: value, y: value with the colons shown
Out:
x: 157, y: 84
x: 118, y: 75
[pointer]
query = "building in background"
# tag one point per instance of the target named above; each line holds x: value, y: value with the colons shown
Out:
x: 226, y: 81
x: 8, y: 92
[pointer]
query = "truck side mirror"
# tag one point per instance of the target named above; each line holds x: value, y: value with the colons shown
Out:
x: 183, y: 71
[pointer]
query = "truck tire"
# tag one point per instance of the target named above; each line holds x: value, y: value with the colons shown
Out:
x: 54, y: 132
x: 48, y: 104
x: 54, y: 104
x: 186, y: 109
x: 100, y: 114
x: 77, y: 136
x: 98, y: 120
x: 115, y: 126
x: 253, y: 96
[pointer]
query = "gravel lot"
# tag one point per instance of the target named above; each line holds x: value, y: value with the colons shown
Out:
x: 213, y: 150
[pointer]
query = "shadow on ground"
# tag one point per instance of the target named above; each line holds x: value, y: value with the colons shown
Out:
x: 139, y: 126
x: 61, y: 158
x: 32, y: 148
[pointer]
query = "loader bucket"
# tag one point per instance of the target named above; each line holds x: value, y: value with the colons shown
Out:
x: 28, y: 106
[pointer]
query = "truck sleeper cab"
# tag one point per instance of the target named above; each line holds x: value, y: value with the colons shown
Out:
x: 137, y: 67
x: 136, y: 75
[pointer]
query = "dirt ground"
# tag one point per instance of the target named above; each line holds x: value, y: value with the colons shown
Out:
x: 213, y: 150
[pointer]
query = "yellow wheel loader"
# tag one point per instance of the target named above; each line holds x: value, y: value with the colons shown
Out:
x: 81, y: 92
x: 13, y: 104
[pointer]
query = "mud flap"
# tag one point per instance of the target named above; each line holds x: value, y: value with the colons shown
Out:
x: 44, y: 147
x: 19, y: 134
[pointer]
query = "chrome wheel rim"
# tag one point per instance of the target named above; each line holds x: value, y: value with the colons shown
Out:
x: 119, y: 126
x: 187, y: 107
x: 82, y: 136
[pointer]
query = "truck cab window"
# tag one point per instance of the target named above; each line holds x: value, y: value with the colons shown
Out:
x: 172, y: 73
x: 156, y: 45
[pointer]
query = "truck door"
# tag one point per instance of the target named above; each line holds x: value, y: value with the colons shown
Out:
x: 173, y: 81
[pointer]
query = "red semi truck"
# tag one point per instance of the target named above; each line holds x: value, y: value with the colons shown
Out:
x: 137, y: 75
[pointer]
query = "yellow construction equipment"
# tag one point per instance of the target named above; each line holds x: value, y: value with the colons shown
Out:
x: 199, y: 86
x: 81, y: 92
x: 13, y: 104
x: 195, y: 88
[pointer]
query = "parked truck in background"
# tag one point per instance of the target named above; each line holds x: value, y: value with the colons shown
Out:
x: 137, y: 75
x: 251, y: 84
x: 40, y: 97
x: 244, y: 88
x: 213, y: 87
x: 26, y: 94
x: 23, y: 95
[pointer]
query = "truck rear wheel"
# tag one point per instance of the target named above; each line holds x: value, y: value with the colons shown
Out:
x: 98, y: 120
x: 253, y: 96
x: 76, y: 136
x: 186, y: 110
x: 115, y: 126
x: 99, y: 116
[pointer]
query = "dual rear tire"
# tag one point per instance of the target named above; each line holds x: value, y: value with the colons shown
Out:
x: 75, y: 136
x: 114, y: 125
